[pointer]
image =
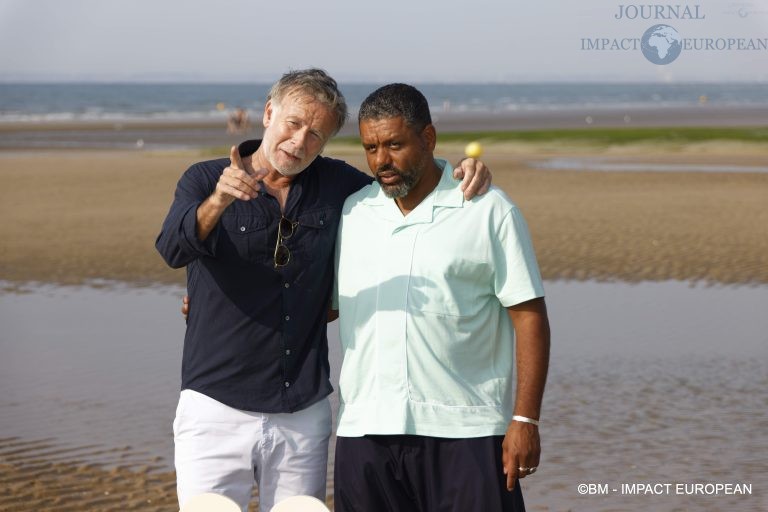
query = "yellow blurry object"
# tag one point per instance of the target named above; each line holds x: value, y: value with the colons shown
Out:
x: 473, y: 150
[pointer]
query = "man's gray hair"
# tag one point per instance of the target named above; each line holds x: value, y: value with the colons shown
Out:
x: 316, y: 84
x: 397, y: 100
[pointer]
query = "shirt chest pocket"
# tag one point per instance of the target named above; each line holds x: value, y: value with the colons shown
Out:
x: 449, y: 282
x: 316, y: 235
x: 246, y: 237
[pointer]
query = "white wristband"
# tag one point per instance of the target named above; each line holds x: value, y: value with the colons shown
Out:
x: 523, y: 419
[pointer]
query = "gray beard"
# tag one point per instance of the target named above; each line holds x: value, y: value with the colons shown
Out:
x: 408, y: 181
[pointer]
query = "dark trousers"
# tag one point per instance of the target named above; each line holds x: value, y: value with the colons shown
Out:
x: 405, y: 473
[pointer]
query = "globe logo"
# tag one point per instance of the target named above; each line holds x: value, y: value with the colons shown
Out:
x: 661, y: 44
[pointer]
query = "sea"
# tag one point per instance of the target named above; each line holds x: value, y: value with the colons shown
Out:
x: 192, y: 102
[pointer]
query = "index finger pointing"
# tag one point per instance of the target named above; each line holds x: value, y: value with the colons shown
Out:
x: 234, y: 157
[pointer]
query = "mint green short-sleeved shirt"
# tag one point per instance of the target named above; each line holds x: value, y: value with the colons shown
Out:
x: 427, y: 344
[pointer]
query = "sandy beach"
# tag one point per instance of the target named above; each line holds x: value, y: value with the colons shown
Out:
x: 75, y: 216
x: 90, y: 216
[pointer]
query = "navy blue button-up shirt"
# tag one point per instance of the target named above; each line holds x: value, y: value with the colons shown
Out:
x: 256, y: 335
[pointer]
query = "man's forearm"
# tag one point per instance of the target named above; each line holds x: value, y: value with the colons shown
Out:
x: 208, y: 214
x: 532, y: 338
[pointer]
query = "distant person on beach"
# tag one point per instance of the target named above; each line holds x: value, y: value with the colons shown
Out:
x: 257, y: 233
x: 439, y: 299
x: 238, y: 121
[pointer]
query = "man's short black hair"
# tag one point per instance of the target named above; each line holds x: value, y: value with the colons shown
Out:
x: 397, y: 100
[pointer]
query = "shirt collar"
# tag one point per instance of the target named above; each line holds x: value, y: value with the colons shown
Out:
x: 448, y: 191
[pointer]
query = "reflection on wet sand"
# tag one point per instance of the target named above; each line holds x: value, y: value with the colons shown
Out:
x: 654, y: 382
x: 41, y: 476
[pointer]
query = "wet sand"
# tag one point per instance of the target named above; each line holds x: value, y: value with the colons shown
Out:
x: 94, y: 373
x: 39, y: 475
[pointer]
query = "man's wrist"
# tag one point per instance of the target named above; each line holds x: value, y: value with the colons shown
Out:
x: 219, y: 202
x: 525, y: 419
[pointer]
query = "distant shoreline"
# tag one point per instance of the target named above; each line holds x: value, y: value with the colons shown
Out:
x: 179, y: 134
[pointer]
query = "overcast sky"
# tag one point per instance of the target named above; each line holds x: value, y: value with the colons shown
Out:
x: 358, y: 40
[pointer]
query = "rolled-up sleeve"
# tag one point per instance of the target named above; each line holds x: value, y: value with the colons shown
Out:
x: 177, y: 242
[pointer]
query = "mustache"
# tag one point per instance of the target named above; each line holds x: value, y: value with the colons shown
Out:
x: 387, y: 168
x: 291, y: 151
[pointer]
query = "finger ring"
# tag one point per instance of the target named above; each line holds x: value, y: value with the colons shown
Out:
x: 523, y: 469
x: 532, y: 470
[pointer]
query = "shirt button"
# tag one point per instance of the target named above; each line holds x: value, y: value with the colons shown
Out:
x: 287, y: 384
x: 288, y: 352
x: 242, y: 228
x: 287, y: 317
x: 287, y: 285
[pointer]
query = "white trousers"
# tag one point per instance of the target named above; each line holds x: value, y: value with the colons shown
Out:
x: 224, y: 450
